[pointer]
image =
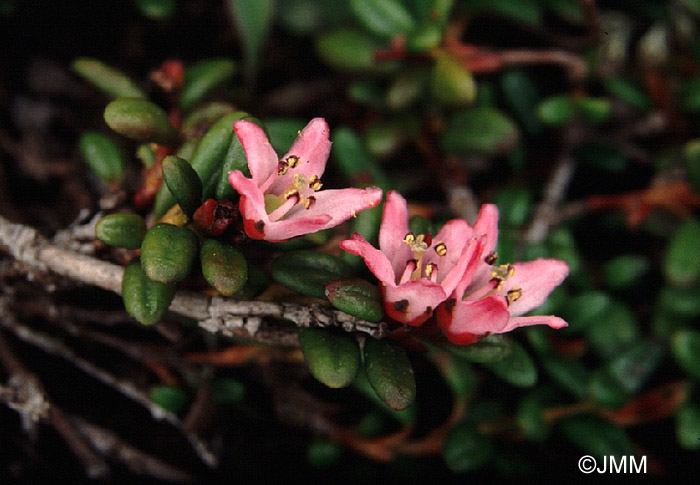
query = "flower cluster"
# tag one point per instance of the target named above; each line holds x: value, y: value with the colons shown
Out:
x: 454, y: 276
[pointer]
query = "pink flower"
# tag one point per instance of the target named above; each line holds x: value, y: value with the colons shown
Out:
x: 416, y: 272
x: 493, y: 298
x: 282, y: 200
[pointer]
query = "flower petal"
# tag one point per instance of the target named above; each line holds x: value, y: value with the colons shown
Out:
x: 463, y: 320
x: 552, y: 321
x: 262, y: 159
x: 376, y: 261
x: 536, y: 280
x: 413, y: 302
x: 313, y: 147
x: 288, y: 228
x: 340, y: 204
x: 456, y: 235
x: 393, y: 230
x: 254, y: 205
x: 486, y: 225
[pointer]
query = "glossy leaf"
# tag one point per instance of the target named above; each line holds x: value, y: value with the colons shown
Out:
x: 353, y: 160
x: 390, y: 373
x: 451, y: 83
x: 518, y: 369
x: 682, y: 261
x: 102, y: 155
x: 597, y: 436
x: 183, y: 183
x: 479, y: 130
x: 333, y: 356
x: 494, y: 348
x: 171, y: 398
x: 521, y: 95
x: 348, y: 50
x: 121, y: 230
x: 382, y: 17
x: 223, y: 266
x: 168, y: 252
x: 356, y: 297
x: 625, y: 271
x: 308, y: 272
x: 144, y: 299
x: 688, y: 427
x: 465, y: 449
x: 202, y: 78
x: 685, y: 348
x: 109, y: 80
x: 556, y: 110
x: 140, y: 119
x: 253, y: 20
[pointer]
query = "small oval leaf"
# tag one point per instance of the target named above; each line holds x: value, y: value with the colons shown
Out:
x: 465, y: 449
x: 183, y: 183
x: 682, y: 262
x: 121, y: 230
x: 140, y: 119
x: 109, y: 80
x: 493, y: 348
x: 480, y: 130
x: 518, y: 369
x: 223, y: 266
x: 202, y: 78
x: 356, y: 297
x: 144, y: 299
x: 167, y: 253
x: 102, y: 155
x: 308, y: 272
x: 390, y: 373
x: 685, y: 347
x: 333, y: 356
x: 451, y: 83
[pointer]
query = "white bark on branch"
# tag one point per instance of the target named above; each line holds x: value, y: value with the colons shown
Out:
x: 250, y: 319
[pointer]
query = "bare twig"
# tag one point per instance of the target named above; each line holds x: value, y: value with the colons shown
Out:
x: 115, y: 448
x: 214, y: 313
x: 30, y: 400
x: 55, y: 347
x: 546, y: 211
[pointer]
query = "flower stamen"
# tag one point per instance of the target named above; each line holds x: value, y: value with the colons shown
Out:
x: 441, y: 248
x: 431, y: 271
x: 513, y: 294
x: 410, y: 268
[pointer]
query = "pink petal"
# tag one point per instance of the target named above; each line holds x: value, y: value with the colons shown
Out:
x: 262, y: 159
x: 413, y: 302
x: 536, y: 280
x: 456, y: 236
x: 339, y: 204
x: 375, y: 260
x: 554, y: 322
x: 254, y: 205
x: 312, y: 146
x: 288, y: 228
x: 393, y: 230
x: 463, y: 320
x: 486, y: 225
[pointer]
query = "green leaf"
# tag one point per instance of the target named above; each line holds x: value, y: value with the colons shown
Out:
x: 525, y: 11
x: 352, y: 159
x: 685, y: 348
x: 171, y: 398
x: 594, y: 110
x: 308, y: 272
x: 570, y: 375
x: 144, y: 299
x: 356, y: 297
x: 606, y: 390
x: 183, y: 183
x: 425, y: 37
x: 521, y: 95
x: 227, y: 390
x: 530, y: 416
x: 514, y: 205
x: 113, y: 83
x: 682, y: 261
x: 283, y: 131
x: 494, y: 348
x: 366, y: 224
x: 518, y: 369
x: 405, y: 416
x: 682, y: 303
x: 348, y: 50
x: 157, y: 9
x: 203, y: 116
x: 688, y: 427
x: 333, y: 356
x: 628, y: 91
x: 587, y: 308
x: 202, y: 78
x: 142, y: 120
x: 625, y: 271
x: 207, y: 160
x: 223, y: 266
x: 386, y: 137
x: 632, y: 368
x: 451, y: 83
x: 407, y: 88
x: 168, y: 252
x: 604, y: 157
x: 390, y: 373
x: 121, y: 230
x: 556, y: 110
x: 465, y: 449
x: 616, y: 330
x: 385, y: 18
x: 102, y: 155
x: 323, y: 453
x: 253, y: 20
x: 479, y: 130
x: 597, y: 436
x: 256, y: 284
x: 692, y: 162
